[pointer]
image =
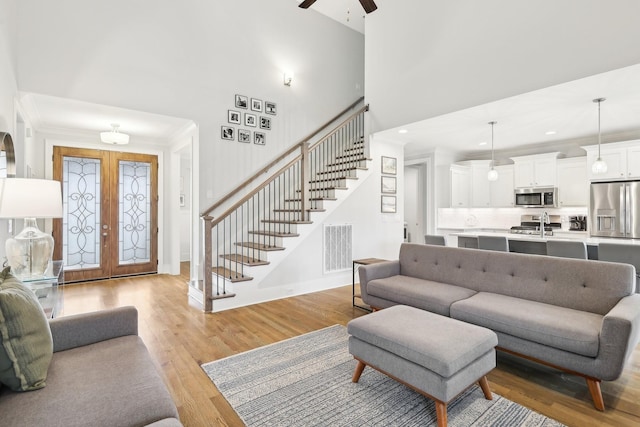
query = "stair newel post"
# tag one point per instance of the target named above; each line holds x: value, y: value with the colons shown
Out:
x: 305, y: 178
x: 208, y: 264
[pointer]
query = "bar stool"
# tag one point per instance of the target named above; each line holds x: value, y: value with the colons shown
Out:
x: 567, y: 249
x: 432, y: 239
x: 627, y: 254
x: 493, y: 243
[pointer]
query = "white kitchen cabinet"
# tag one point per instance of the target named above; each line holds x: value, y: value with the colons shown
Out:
x: 633, y: 162
x: 480, y: 184
x: 460, y: 186
x: 622, y: 159
x: 573, y: 185
x: 501, y: 191
x: 535, y: 171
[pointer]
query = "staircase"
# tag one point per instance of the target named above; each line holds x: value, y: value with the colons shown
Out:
x: 259, y: 223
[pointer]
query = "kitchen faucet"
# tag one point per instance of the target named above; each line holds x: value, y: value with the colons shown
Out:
x: 544, y: 219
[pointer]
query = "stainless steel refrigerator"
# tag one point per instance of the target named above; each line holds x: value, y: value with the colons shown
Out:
x: 615, y: 209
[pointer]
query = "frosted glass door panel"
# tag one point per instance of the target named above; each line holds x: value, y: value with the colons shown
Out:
x: 81, y: 213
x: 134, y: 243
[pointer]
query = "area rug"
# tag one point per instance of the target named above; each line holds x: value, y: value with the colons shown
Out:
x: 306, y: 381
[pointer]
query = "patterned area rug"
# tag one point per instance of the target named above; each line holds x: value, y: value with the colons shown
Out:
x: 306, y: 381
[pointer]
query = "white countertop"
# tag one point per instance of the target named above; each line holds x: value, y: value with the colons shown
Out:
x: 559, y: 235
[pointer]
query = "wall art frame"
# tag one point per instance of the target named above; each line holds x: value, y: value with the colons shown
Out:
x: 270, y: 108
x: 388, y: 204
x: 388, y: 184
x: 244, y: 136
x: 250, y: 120
x: 265, y: 123
x: 228, y: 133
x: 256, y: 105
x: 389, y: 165
x: 242, y: 101
x: 234, y: 117
x: 259, y: 138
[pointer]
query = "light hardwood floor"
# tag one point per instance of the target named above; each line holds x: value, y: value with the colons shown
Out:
x: 181, y: 337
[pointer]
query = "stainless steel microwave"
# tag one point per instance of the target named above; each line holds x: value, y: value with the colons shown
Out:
x: 536, y: 197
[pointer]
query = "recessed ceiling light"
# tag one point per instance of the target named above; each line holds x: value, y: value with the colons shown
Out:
x: 550, y: 132
x: 403, y: 131
x: 483, y: 143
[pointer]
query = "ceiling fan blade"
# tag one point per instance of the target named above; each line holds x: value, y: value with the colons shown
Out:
x: 368, y: 5
x: 306, y: 3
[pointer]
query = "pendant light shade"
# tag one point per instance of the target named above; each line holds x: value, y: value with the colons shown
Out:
x: 493, y: 174
x: 114, y: 136
x: 599, y: 166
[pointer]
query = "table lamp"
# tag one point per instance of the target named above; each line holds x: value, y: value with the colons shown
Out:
x: 29, y: 253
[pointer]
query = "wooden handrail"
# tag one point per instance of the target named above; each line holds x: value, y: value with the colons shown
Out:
x: 266, y: 168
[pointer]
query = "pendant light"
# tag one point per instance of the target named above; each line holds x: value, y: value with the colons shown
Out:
x: 599, y: 166
x: 493, y: 174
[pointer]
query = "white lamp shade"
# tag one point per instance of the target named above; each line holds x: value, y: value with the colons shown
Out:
x: 30, y: 198
x: 112, y: 137
x: 599, y: 166
x: 492, y: 175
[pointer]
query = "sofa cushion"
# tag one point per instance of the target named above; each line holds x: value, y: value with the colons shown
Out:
x: 425, y: 294
x: 26, y: 345
x: 563, y: 328
x: 109, y: 383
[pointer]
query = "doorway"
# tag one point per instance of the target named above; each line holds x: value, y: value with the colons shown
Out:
x: 110, y: 213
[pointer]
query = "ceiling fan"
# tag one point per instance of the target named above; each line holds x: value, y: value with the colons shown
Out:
x: 368, y: 5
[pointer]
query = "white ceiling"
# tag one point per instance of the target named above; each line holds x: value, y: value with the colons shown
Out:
x: 347, y: 12
x: 523, y: 120
x: 53, y: 114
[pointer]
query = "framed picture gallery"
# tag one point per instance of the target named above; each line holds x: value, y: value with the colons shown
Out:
x: 258, y: 114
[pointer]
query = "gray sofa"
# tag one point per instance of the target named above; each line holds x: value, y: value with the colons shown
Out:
x: 101, y: 374
x: 580, y: 316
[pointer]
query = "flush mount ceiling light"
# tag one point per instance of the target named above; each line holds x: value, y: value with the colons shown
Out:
x: 493, y: 174
x: 599, y: 166
x: 403, y: 131
x: 114, y: 137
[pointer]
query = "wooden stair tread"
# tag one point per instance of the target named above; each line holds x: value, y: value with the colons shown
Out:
x: 259, y: 246
x: 298, y: 210
x: 273, y: 233
x: 289, y: 222
x: 353, y: 168
x: 313, y: 199
x: 230, y: 275
x: 243, y: 259
x: 348, y: 162
x: 325, y: 189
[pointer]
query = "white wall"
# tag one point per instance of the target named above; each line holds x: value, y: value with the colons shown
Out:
x: 188, y: 59
x: 425, y: 58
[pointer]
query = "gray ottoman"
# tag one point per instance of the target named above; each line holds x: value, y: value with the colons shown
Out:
x: 436, y: 356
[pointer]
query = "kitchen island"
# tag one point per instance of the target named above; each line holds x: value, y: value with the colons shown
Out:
x: 535, y: 244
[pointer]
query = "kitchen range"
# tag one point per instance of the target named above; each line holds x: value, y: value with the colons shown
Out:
x: 532, y: 224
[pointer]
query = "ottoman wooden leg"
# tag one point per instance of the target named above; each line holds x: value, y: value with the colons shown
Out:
x: 358, y: 371
x: 484, y: 385
x: 441, y: 413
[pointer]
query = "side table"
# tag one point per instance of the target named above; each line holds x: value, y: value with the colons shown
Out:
x: 47, y: 289
x: 364, y: 261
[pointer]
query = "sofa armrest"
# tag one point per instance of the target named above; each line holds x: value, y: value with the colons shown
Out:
x: 89, y: 328
x: 376, y: 271
x: 620, y: 335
